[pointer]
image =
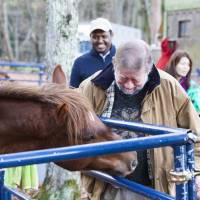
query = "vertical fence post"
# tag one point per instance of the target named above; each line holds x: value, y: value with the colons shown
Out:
x: 4, y: 195
x: 191, y: 167
x: 1, y: 183
x: 41, y: 73
x: 180, y: 164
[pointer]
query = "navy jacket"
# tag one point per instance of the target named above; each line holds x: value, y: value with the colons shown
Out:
x: 87, y: 64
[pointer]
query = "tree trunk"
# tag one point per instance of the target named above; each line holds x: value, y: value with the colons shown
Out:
x: 60, y: 184
x: 6, y: 31
x: 154, y: 15
x: 156, y: 18
x: 61, y: 43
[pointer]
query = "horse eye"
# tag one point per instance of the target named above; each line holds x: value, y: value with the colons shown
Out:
x: 88, y: 137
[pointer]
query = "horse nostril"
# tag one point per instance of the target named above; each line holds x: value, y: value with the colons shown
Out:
x: 134, y: 164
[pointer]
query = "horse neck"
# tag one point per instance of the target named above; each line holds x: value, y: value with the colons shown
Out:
x: 29, y: 125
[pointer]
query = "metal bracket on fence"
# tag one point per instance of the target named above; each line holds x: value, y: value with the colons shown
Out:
x: 196, y: 172
x: 180, y: 177
x: 184, y: 176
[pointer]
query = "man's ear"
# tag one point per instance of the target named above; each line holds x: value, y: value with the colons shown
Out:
x: 58, y: 75
x: 111, y: 33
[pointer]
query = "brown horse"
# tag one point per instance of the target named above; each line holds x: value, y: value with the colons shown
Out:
x: 33, y: 118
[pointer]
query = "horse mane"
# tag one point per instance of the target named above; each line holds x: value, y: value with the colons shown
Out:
x: 72, y: 108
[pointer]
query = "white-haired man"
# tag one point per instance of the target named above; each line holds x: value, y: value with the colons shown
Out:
x: 133, y: 89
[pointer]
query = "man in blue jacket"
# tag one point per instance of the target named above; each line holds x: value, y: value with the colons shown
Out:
x: 100, y: 55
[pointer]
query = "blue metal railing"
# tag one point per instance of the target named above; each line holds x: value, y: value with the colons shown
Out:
x: 130, y: 185
x: 40, y: 70
x: 182, y: 141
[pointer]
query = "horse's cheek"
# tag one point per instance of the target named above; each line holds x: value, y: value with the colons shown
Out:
x: 75, y: 165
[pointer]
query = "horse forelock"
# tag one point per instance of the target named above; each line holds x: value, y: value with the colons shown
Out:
x: 78, y: 118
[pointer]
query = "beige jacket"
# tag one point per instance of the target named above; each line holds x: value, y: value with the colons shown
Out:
x: 169, y: 105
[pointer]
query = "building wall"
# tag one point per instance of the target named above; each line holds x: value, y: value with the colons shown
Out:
x: 174, y: 18
x: 183, y: 25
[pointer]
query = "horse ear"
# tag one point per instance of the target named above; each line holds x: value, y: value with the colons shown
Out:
x: 58, y: 75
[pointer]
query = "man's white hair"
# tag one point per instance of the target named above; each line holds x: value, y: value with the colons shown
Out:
x: 135, y: 55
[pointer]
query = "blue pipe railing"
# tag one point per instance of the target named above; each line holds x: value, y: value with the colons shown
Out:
x: 142, y: 127
x: 92, y: 150
x: 181, y: 166
x: 130, y: 185
x: 180, y: 137
x: 22, y: 64
x: 191, y: 168
x: 41, y: 70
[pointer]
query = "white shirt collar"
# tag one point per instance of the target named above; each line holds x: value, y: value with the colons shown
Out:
x: 104, y: 55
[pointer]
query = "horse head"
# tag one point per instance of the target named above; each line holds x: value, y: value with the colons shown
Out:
x: 88, y: 128
x: 51, y: 116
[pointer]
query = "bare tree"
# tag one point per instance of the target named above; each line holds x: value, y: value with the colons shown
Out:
x: 154, y: 11
x: 22, y: 30
x: 6, y: 31
x: 131, y: 13
x: 62, y: 16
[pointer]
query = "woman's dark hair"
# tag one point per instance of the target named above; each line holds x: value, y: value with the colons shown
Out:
x: 174, y: 60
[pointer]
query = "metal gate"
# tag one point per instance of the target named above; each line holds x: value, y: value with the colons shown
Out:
x: 181, y: 140
x: 23, y: 71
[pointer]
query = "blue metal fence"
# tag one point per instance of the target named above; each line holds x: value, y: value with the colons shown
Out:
x: 180, y: 139
x: 38, y: 69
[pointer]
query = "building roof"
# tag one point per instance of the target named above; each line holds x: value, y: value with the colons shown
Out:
x: 171, y: 5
